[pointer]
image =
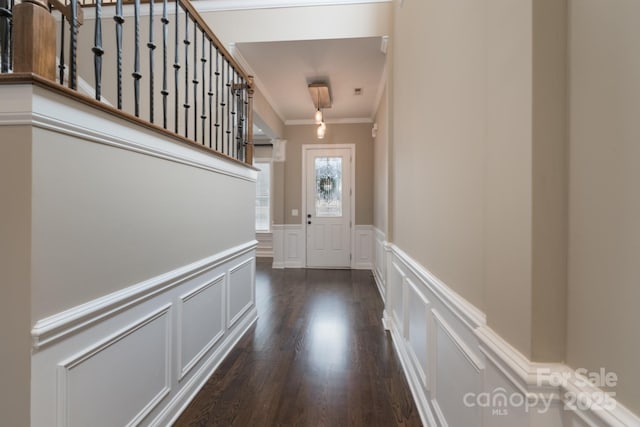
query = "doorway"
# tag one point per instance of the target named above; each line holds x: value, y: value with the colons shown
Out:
x: 328, y: 204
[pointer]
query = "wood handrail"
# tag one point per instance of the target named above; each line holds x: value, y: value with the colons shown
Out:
x: 35, y: 79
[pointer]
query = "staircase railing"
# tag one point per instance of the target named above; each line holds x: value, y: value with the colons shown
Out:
x: 186, y: 82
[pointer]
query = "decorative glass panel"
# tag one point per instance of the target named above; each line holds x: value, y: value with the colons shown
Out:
x: 328, y: 186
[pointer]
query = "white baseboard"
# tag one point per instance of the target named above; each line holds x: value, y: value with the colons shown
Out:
x: 460, y: 371
x: 159, y: 340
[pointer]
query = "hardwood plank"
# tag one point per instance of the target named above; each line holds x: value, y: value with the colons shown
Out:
x: 317, y: 356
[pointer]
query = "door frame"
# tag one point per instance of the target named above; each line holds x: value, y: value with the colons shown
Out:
x: 306, y: 148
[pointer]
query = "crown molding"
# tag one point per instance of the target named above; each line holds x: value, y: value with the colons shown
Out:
x: 223, y: 5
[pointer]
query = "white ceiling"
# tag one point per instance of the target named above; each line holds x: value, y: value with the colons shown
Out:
x: 284, y: 69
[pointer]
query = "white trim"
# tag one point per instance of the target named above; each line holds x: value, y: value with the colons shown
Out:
x: 343, y: 121
x: 183, y: 398
x: 220, y: 5
x: 352, y: 199
x: 482, y: 347
x: 363, y: 247
x: 288, y: 246
x: 58, y: 326
x: 184, y: 370
x: 466, y: 311
x: 381, y: 87
x: 56, y: 113
x: 251, y: 303
x: 65, y: 366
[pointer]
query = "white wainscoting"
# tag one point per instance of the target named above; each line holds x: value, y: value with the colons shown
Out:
x: 289, y: 246
x: 137, y: 357
x: 362, y: 252
x: 462, y: 373
x: 380, y: 250
x: 265, y: 245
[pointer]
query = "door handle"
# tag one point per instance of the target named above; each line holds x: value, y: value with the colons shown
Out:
x: 308, y: 222
x: 308, y: 215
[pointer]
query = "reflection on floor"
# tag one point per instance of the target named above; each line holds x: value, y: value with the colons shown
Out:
x: 317, y: 356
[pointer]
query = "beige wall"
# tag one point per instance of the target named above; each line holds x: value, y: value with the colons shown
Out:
x: 604, y: 201
x: 380, y: 166
x: 438, y: 139
x: 15, y: 248
x: 358, y: 134
x: 106, y: 218
x: 478, y: 158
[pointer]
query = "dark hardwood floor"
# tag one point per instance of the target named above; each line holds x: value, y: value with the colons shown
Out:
x: 317, y: 356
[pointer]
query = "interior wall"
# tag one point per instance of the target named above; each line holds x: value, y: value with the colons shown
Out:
x: 358, y: 134
x: 508, y: 176
x: 604, y: 201
x: 15, y: 248
x: 438, y: 164
x: 106, y: 218
x: 380, y: 165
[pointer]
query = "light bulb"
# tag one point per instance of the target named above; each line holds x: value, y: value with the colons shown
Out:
x: 318, y: 116
x: 320, y: 131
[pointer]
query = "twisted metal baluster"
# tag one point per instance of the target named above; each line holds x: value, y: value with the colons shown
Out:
x: 186, y: 74
x: 61, y: 61
x: 73, y: 59
x: 203, y: 115
x: 97, y: 50
x: 152, y: 47
x: 136, y: 58
x: 222, y: 107
x: 195, y: 82
x: 210, y: 93
x: 229, y: 104
x: 119, y: 21
x: 217, y: 96
x: 176, y: 68
x: 165, y: 36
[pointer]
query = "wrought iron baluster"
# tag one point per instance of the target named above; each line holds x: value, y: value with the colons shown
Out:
x: 62, y: 45
x: 195, y: 82
x: 217, y: 125
x: 12, y: 4
x: 186, y: 74
x: 152, y: 47
x: 229, y: 102
x: 165, y: 36
x: 176, y: 68
x: 6, y: 16
x: 210, y: 93
x: 73, y: 46
x: 136, y: 58
x: 203, y: 112
x: 222, y: 106
x: 233, y: 112
x: 97, y: 50
x: 119, y: 21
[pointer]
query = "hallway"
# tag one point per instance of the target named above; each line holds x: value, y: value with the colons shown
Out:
x: 317, y: 356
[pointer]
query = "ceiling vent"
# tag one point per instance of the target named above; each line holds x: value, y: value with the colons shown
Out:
x: 357, y: 91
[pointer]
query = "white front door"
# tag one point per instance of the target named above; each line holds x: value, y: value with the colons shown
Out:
x: 328, y: 207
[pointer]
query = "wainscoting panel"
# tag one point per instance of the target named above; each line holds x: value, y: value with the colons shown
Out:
x: 289, y: 250
x: 201, y: 322
x: 380, y: 262
x: 137, y: 357
x: 462, y: 373
x: 241, y: 292
x: 363, y: 248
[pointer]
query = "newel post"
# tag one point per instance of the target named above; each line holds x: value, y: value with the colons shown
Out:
x: 34, y: 31
x: 249, y: 157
